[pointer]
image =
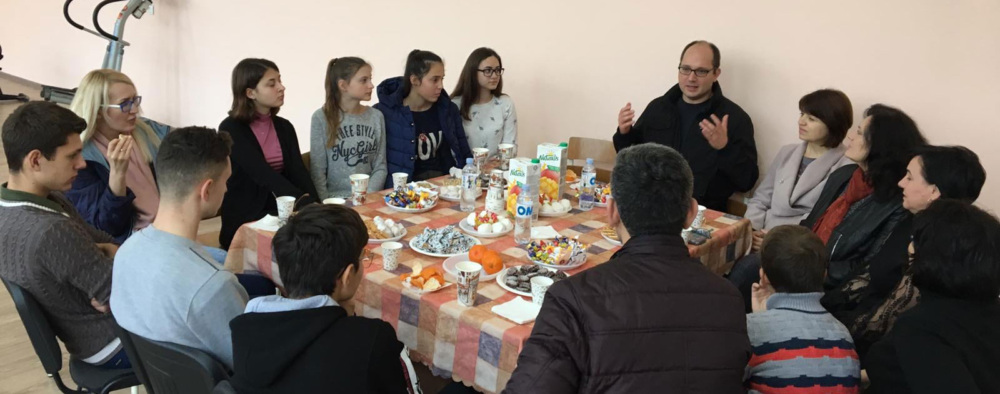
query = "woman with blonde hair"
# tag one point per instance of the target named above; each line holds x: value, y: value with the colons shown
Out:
x: 116, y: 192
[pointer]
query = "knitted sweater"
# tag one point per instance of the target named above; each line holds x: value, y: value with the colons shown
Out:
x: 47, y: 248
x: 799, y: 347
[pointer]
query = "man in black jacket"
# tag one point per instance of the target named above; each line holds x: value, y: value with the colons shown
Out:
x: 650, y: 320
x: 713, y: 133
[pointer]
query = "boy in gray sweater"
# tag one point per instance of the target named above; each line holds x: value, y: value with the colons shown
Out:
x: 45, y: 246
x: 166, y: 287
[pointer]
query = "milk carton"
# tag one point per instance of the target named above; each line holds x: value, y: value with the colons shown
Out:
x: 554, y: 157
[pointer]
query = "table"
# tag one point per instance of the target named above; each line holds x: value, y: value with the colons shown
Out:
x: 472, y: 344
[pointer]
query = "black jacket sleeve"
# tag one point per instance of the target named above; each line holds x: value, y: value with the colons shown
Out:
x: 248, y: 156
x: 295, y: 168
x: 546, y: 363
x: 385, y: 368
x: 738, y: 160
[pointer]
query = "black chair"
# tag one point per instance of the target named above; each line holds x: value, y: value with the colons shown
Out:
x: 89, y: 378
x: 167, y: 368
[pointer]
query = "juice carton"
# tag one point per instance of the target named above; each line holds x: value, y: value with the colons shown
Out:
x: 554, y: 159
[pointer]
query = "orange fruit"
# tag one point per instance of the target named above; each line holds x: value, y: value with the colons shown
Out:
x: 429, y: 272
x: 417, y: 282
x: 477, y: 252
x: 492, y: 262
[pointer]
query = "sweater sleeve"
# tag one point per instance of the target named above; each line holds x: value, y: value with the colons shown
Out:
x: 760, y: 203
x: 546, y: 364
x: 379, y: 170
x: 99, y: 207
x: 738, y: 159
x: 317, y: 154
x: 386, y: 374
x: 217, y: 302
x: 71, y: 257
x: 509, y: 123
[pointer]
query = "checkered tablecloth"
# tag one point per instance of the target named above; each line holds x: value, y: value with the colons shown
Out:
x: 471, y: 344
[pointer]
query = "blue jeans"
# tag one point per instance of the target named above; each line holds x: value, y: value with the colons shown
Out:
x: 118, y: 361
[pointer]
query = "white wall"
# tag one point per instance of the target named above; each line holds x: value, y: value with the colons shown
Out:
x: 570, y: 65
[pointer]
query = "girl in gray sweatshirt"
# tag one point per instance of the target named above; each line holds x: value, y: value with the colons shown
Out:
x: 346, y: 137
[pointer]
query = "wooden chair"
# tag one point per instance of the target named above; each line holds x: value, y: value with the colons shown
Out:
x: 307, y: 160
x: 602, y: 151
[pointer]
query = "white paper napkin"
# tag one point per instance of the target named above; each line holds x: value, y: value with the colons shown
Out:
x: 267, y: 223
x: 543, y: 232
x: 517, y: 310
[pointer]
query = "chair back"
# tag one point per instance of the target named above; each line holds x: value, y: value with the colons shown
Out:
x: 169, y: 368
x: 36, y: 323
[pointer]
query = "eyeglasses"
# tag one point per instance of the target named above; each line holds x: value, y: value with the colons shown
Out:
x: 367, y: 256
x: 126, y: 106
x: 701, y: 72
x: 490, y: 71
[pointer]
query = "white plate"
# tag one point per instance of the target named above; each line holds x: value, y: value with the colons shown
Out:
x: 422, y: 291
x: 475, y: 240
x: 500, y: 281
x: 613, y: 242
x: 378, y: 241
x: 600, y: 204
x: 569, y: 266
x: 449, y: 267
x: 554, y: 214
x: 458, y: 199
x: 428, y: 186
x: 467, y: 228
x: 411, y: 210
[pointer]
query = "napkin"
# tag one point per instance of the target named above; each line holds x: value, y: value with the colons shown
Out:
x: 517, y: 310
x: 543, y: 232
x: 267, y: 223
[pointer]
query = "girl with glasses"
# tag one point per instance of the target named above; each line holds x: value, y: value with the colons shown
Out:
x: 488, y: 115
x: 116, y: 192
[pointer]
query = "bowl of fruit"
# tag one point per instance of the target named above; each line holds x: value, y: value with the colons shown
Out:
x: 561, y: 253
x: 486, y: 224
x: 412, y: 199
x: 602, y: 193
x: 491, y: 261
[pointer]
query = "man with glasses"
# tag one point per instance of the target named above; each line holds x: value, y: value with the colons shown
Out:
x: 310, y: 341
x: 713, y: 133
x: 165, y: 286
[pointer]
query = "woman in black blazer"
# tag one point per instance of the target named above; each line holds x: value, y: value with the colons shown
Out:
x: 948, y: 342
x: 265, y: 157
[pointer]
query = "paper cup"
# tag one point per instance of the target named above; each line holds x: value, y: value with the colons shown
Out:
x: 700, y: 219
x: 335, y: 201
x: 390, y: 255
x: 507, y: 152
x: 285, y: 206
x: 468, y: 282
x: 359, y: 187
x: 399, y: 179
x: 539, y: 285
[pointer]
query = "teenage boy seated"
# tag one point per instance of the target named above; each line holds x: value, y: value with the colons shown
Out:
x: 45, y: 246
x: 308, y: 342
x: 797, y: 344
x: 166, y: 287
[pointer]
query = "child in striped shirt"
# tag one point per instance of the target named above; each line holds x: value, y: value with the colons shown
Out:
x: 797, y: 346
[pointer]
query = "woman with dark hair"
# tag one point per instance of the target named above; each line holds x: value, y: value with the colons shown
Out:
x: 266, y: 159
x: 860, y: 204
x: 424, y: 135
x: 870, y: 303
x: 948, y: 342
x: 799, y: 171
x: 488, y: 115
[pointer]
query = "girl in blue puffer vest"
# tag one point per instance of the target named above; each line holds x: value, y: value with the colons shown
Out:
x: 424, y: 134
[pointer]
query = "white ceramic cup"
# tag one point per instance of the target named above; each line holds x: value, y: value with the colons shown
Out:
x: 539, y: 285
x: 335, y: 201
x: 390, y: 255
x: 286, y: 204
x: 468, y: 282
x: 399, y: 179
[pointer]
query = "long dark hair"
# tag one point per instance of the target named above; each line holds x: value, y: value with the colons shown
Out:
x: 418, y: 63
x: 955, y: 170
x: 246, y: 75
x: 892, y: 138
x: 341, y: 68
x: 468, y: 82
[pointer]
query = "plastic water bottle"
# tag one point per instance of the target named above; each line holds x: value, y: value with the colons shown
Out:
x: 522, y: 219
x: 587, y: 182
x: 534, y: 179
x: 470, y: 174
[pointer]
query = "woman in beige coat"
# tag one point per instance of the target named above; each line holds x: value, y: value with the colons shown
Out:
x: 799, y: 171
